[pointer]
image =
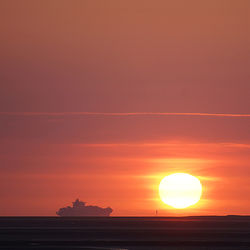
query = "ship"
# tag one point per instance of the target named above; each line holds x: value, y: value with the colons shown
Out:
x: 79, y: 208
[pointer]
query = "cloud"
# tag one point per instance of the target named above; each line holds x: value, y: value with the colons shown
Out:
x: 120, y: 114
x: 80, y: 209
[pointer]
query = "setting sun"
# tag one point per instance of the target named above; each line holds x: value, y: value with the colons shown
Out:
x: 180, y: 190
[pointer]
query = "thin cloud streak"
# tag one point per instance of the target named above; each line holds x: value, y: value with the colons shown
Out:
x: 119, y: 114
x: 110, y: 145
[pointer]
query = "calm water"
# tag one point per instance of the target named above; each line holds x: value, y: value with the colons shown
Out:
x: 133, y: 233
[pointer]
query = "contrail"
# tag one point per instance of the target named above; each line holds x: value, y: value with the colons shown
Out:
x: 119, y: 114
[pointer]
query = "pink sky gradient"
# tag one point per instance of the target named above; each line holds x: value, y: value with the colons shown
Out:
x: 100, y: 100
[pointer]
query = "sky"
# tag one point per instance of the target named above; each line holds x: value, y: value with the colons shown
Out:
x: 101, y: 99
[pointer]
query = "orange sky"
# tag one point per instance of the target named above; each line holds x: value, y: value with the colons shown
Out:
x: 98, y: 101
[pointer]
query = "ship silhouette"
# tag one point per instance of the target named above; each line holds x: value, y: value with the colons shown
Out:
x: 79, y: 208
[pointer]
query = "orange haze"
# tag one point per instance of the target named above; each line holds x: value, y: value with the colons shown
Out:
x: 102, y: 99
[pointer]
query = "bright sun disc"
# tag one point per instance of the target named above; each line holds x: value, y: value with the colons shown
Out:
x: 180, y: 190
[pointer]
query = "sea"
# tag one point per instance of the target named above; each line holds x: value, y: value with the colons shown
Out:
x: 125, y: 233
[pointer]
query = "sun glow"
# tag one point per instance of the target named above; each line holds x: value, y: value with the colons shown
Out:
x: 180, y: 190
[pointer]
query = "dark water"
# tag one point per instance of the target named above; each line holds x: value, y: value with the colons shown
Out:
x: 133, y: 233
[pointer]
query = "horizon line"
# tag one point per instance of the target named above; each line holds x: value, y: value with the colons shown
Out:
x: 123, y: 114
